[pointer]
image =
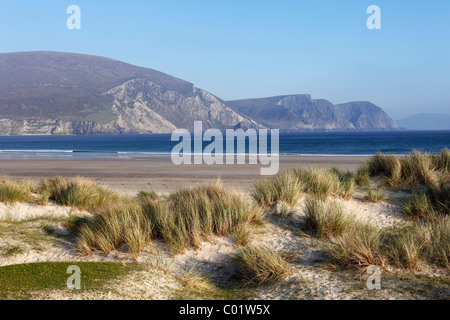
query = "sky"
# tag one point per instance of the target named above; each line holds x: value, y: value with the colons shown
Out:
x: 250, y: 49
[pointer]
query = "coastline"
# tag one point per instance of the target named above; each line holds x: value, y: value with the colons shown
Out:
x: 160, y: 174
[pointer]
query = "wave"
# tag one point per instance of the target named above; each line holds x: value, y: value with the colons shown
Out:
x: 36, y: 151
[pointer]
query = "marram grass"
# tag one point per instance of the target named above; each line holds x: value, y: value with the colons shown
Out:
x: 12, y: 192
x: 286, y: 187
x: 113, y: 226
x: 183, y: 220
x: 192, y: 215
x: 326, y: 220
x: 260, y: 265
x: 78, y: 192
x: 410, y: 170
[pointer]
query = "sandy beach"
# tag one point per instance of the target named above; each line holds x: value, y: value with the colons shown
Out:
x: 34, y: 231
x: 160, y: 174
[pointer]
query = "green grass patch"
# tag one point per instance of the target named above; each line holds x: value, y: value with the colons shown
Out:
x: 23, y: 281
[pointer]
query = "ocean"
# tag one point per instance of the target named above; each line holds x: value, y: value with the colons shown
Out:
x: 291, y: 144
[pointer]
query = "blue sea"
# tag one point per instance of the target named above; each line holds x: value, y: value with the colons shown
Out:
x: 291, y: 144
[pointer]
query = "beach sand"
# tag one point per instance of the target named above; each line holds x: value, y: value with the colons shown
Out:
x: 160, y: 174
x: 311, y: 276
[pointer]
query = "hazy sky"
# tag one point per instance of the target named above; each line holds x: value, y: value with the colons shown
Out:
x: 243, y: 49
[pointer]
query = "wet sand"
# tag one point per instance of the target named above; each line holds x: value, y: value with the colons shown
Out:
x: 160, y: 174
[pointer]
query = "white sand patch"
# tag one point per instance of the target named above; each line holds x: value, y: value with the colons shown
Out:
x: 28, y: 211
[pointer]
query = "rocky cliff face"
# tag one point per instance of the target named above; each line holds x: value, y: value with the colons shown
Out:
x: 301, y: 112
x: 140, y: 106
x: 64, y: 93
x: 146, y: 106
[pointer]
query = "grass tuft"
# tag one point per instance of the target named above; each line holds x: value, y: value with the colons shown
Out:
x: 320, y: 183
x: 326, y: 220
x: 12, y: 192
x: 285, y: 187
x: 261, y: 265
x: 360, y: 247
x: 183, y: 220
x: 80, y: 193
x: 191, y: 215
x: 114, y: 226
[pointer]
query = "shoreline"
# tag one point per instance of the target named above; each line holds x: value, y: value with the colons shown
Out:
x: 160, y: 174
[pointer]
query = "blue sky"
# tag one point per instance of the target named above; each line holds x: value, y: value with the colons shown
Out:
x: 247, y: 48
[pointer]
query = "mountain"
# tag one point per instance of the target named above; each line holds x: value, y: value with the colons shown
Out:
x: 67, y: 93
x: 300, y: 112
x: 426, y: 121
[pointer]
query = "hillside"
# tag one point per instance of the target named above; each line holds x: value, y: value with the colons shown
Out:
x: 426, y: 121
x: 67, y: 93
x: 301, y: 112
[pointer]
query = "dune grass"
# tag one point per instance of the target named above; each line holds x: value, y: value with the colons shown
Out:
x: 407, y: 247
x: 410, y: 170
x: 196, y: 282
x: 241, y: 235
x: 360, y: 247
x: 114, y: 226
x: 192, y: 215
x: 12, y: 192
x: 347, y: 184
x: 377, y: 195
x: 326, y: 220
x: 260, y: 265
x: 440, y: 198
x: 432, y: 205
x: 419, y: 207
x: 438, y: 248
x: 183, y: 220
x: 320, y: 183
x: 420, y: 242
x: 289, y: 186
x: 78, y: 192
x: 286, y: 187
